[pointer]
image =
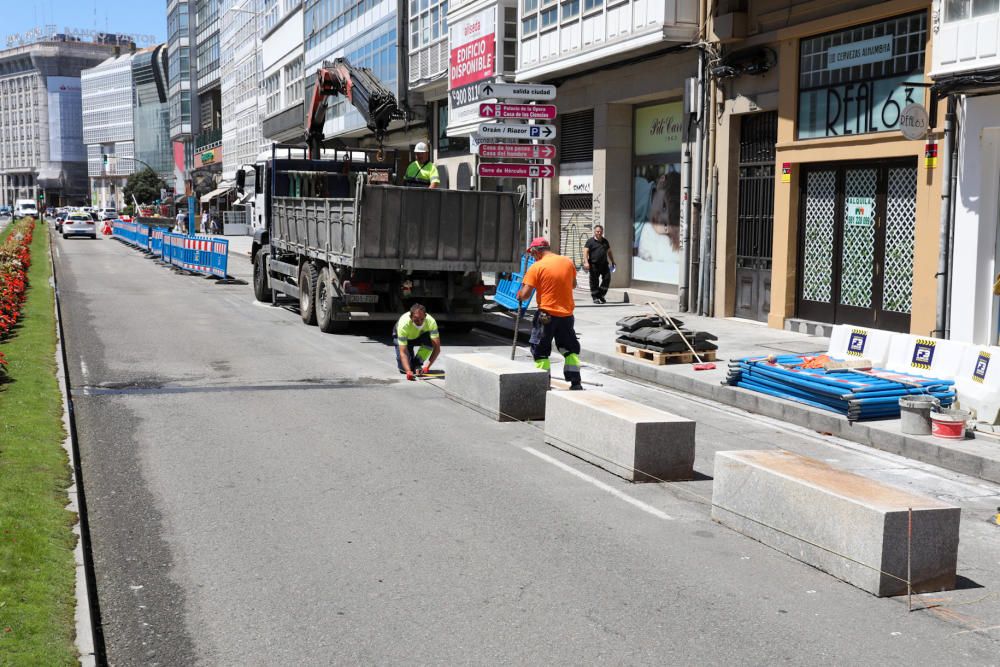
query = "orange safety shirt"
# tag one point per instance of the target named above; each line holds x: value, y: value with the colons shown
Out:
x: 553, y: 277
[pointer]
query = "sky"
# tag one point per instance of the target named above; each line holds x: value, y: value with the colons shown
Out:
x: 136, y: 17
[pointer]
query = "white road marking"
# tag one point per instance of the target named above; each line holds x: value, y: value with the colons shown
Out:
x: 601, y: 485
x: 83, y: 369
x: 992, y: 627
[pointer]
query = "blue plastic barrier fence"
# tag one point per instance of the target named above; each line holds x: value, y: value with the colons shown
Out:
x: 198, y: 254
x: 156, y: 241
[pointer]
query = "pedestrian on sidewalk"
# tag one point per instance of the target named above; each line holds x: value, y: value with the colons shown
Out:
x: 553, y: 277
x: 204, y: 221
x: 417, y: 342
x: 599, y: 261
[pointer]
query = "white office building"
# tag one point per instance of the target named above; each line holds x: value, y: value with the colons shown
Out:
x: 240, y: 55
x: 108, y: 131
x: 282, y: 93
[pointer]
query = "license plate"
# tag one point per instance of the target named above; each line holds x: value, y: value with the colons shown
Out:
x: 362, y: 298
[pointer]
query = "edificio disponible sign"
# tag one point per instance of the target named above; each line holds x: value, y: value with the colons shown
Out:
x: 859, y: 80
x: 472, y: 60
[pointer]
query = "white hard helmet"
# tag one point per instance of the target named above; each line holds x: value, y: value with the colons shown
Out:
x: 421, y: 147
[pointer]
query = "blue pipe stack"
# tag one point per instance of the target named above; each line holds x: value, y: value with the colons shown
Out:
x: 855, y: 395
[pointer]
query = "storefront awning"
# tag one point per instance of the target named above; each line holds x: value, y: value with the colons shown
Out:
x: 214, y: 193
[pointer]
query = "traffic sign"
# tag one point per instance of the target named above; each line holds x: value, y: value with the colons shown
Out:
x: 510, y: 170
x: 522, y: 151
x: 516, y: 131
x: 519, y: 91
x: 526, y: 111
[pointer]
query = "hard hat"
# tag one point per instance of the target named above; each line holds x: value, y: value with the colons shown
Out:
x: 538, y: 242
x: 421, y: 148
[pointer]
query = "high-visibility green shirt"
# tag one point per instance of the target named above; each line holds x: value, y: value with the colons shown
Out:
x: 427, y: 173
x: 406, y: 330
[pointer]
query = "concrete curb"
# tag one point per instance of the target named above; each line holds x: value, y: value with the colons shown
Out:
x: 82, y: 616
x: 969, y: 457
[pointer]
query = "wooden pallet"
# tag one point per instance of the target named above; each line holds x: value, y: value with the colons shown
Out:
x: 662, y: 358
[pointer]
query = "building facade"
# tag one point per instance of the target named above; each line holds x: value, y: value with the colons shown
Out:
x: 826, y: 213
x: 242, y: 74
x: 182, y: 80
x: 966, y: 72
x: 108, y: 129
x: 151, y: 112
x: 282, y: 104
x: 41, y: 122
x: 206, y: 172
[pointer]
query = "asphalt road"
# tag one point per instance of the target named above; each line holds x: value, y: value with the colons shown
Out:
x: 260, y: 493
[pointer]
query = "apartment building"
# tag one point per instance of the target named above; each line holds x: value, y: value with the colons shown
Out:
x: 41, y: 122
x: 206, y: 173
x: 966, y: 73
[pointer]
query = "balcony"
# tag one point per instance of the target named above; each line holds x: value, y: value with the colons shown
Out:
x: 967, y: 45
x: 609, y: 31
x: 206, y: 140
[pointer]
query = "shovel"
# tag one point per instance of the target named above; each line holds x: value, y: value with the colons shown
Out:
x: 701, y: 365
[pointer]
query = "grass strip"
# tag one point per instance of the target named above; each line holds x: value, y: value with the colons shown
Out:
x: 37, y: 570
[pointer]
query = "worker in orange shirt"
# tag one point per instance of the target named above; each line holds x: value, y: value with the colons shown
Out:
x: 553, y: 277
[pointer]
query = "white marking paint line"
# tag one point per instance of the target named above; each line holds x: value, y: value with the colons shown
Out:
x: 84, y: 370
x: 601, y: 485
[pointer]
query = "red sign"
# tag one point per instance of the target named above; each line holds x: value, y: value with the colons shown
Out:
x: 472, y: 61
x: 523, y: 151
x: 501, y: 170
x: 527, y: 111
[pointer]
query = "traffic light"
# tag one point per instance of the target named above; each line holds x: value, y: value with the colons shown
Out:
x: 41, y: 196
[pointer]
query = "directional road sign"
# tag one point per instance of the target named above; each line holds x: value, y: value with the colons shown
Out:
x: 516, y: 131
x: 522, y: 151
x: 518, y: 91
x: 510, y: 170
x: 526, y: 111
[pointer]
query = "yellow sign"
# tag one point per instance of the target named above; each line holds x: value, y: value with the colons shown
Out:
x: 658, y: 129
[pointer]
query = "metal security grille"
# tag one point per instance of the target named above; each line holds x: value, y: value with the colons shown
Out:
x: 755, y: 213
x: 576, y: 132
x: 901, y: 202
x: 818, y: 237
x: 858, y: 238
x: 576, y: 225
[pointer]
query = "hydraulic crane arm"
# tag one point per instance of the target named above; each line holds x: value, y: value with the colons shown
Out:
x: 376, y: 103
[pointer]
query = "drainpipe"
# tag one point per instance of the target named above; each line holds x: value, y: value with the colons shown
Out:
x: 707, y: 211
x: 697, y: 182
x: 713, y: 206
x: 943, y: 275
x: 690, y: 95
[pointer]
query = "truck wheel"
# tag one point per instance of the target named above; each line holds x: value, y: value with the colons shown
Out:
x: 261, y: 290
x: 307, y: 293
x: 325, y: 305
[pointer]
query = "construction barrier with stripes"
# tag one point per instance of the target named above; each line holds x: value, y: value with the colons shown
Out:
x: 198, y: 254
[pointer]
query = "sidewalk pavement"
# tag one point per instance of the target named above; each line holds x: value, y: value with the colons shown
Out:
x: 239, y: 245
x: 596, y: 329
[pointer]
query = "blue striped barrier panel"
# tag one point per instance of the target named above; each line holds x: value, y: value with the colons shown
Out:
x: 141, y: 236
x: 156, y: 241
x: 198, y: 254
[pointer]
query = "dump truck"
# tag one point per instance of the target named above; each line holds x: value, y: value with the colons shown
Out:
x: 340, y: 237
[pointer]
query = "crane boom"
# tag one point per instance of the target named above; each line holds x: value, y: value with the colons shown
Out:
x: 377, y: 104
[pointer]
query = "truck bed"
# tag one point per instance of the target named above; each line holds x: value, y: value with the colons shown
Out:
x: 397, y: 228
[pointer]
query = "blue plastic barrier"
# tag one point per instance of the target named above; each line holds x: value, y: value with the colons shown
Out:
x: 199, y: 254
x: 506, y: 294
x: 156, y: 242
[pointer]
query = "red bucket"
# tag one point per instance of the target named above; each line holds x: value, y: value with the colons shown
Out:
x: 949, y: 423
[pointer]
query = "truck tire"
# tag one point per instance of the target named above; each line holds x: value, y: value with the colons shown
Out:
x: 325, y: 304
x: 307, y: 293
x: 261, y: 290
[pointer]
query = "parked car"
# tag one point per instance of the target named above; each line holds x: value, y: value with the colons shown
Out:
x: 6, y: 211
x: 109, y: 214
x: 79, y: 224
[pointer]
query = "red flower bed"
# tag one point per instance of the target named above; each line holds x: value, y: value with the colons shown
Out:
x: 15, y: 258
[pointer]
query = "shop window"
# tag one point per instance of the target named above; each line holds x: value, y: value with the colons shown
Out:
x: 448, y: 145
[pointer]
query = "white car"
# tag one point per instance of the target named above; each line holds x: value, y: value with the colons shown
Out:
x: 79, y: 223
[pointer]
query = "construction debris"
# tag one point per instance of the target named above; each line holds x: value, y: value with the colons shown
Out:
x: 653, y: 338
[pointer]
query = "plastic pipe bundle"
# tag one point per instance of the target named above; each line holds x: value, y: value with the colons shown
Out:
x: 854, y: 394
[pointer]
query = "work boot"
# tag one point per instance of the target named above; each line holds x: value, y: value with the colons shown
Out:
x: 576, y: 386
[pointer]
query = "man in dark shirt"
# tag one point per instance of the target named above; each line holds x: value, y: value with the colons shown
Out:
x: 599, y: 261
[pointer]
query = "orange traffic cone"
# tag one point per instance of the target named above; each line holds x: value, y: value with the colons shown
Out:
x: 107, y: 228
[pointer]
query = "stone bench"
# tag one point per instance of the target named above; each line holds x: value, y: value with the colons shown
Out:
x: 503, y: 389
x: 844, y: 524
x: 631, y: 440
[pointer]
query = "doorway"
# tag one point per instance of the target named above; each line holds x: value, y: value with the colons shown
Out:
x: 856, y: 236
x: 755, y: 215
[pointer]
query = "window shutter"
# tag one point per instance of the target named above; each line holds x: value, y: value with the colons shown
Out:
x: 576, y: 132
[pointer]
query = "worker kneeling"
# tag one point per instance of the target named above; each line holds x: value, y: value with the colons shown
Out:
x: 417, y: 342
x: 553, y: 277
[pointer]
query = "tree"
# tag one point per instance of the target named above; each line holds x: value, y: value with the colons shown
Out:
x: 145, y: 185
